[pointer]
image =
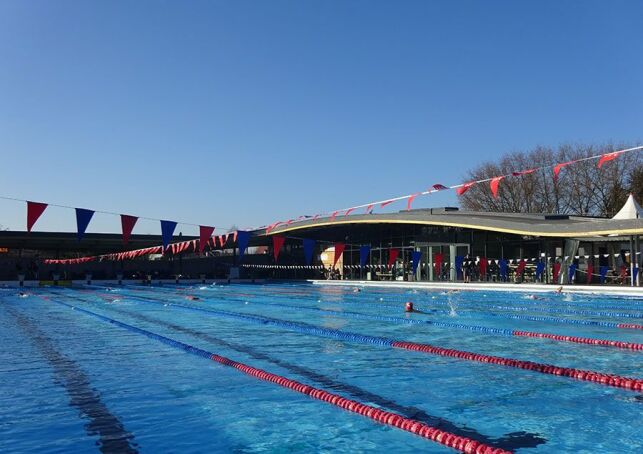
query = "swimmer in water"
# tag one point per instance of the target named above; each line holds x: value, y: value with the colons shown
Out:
x: 356, y: 290
x: 192, y: 298
x: 559, y: 290
x: 532, y: 297
x: 22, y: 295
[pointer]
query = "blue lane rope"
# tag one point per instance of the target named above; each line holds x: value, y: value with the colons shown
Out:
x: 533, y: 318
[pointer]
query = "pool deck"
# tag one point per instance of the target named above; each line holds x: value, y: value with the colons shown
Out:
x: 492, y: 287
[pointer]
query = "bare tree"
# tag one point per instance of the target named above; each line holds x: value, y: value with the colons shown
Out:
x: 581, y: 187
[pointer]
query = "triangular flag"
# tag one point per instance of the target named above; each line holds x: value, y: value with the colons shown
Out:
x: 494, y: 186
x: 339, y: 250
x: 167, y: 230
x: 392, y: 256
x: 334, y: 215
x: 234, y: 236
x: 410, y: 200
x: 439, y: 187
x: 349, y: 211
x: 242, y: 241
x: 34, y: 211
x: 363, y: 255
x: 277, y: 244
x: 205, y: 232
x: 369, y: 208
x: 127, y: 224
x: 83, y: 217
x: 309, y: 248
x: 523, y: 172
x: 608, y: 157
x: 464, y: 187
x: 383, y: 204
x: 559, y: 167
x: 415, y: 257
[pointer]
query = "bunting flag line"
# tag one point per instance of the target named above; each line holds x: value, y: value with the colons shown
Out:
x: 205, y: 232
x: 127, y: 225
x: 277, y: 243
x: 339, y: 251
x: 364, y: 251
x: 309, y: 248
x: 34, y: 211
x: 167, y: 231
x: 83, y: 217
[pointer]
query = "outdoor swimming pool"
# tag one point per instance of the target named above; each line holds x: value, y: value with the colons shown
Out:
x: 76, y: 375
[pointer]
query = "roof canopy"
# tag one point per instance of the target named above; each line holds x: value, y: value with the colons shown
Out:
x: 631, y: 210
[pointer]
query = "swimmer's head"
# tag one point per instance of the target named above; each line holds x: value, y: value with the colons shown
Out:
x: 408, y: 307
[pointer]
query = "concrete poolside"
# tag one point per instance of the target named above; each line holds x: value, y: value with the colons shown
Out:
x: 492, y: 287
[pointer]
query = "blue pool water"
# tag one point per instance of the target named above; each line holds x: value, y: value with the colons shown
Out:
x: 70, y: 382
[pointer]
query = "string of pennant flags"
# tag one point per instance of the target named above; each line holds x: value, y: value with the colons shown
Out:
x: 35, y: 211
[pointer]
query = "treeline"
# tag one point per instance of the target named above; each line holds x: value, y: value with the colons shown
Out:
x: 580, y: 189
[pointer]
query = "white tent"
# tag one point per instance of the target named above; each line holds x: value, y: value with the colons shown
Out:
x: 631, y: 210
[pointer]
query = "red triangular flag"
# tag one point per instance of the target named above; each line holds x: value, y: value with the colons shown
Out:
x: 205, y: 232
x: 234, y: 236
x: 464, y: 188
x: 339, y: 250
x: 494, y: 186
x: 127, y: 223
x: 277, y: 243
x: 349, y: 211
x: 34, y: 210
x: 369, y: 208
x: 608, y: 157
x: 383, y: 204
x: 334, y: 215
x: 559, y: 167
x: 392, y: 256
x: 410, y: 200
x: 523, y: 172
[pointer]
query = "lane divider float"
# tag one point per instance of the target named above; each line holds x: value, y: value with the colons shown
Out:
x: 462, y: 444
x: 633, y: 384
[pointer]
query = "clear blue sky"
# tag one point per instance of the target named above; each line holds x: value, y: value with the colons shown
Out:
x: 246, y: 112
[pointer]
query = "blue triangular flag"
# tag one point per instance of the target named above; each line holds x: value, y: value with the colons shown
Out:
x: 504, y: 269
x: 363, y: 255
x: 415, y: 257
x: 309, y: 247
x: 540, y: 267
x: 167, y: 230
x: 572, y: 272
x: 242, y: 241
x: 83, y: 217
